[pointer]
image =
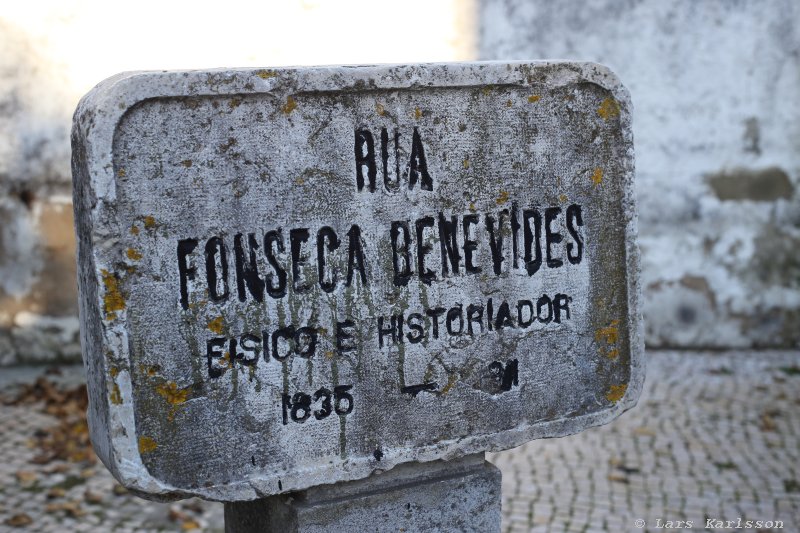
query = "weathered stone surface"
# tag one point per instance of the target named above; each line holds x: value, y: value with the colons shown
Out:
x: 458, y: 495
x: 715, y: 85
x: 208, y: 203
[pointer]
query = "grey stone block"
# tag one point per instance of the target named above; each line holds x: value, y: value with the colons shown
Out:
x: 441, y: 496
x: 293, y: 277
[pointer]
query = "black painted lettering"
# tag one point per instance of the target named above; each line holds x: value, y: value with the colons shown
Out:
x: 514, y: 232
x: 365, y: 157
x: 435, y: 313
x: 542, y: 303
x: 448, y: 242
x: 552, y: 237
x: 455, y: 313
x: 390, y: 184
x: 250, y: 345
x: 287, y: 335
x: 297, y: 237
x: 489, y: 314
x: 417, y: 165
x: 301, y: 403
x: 355, y: 255
x: 426, y: 275
x: 496, y: 240
x: 213, y: 354
x: 327, y: 407
x: 561, y: 304
x: 185, y: 271
x: 305, y: 341
x: 416, y: 330
x: 533, y: 239
x: 276, y: 283
x: 474, y: 316
x: 340, y: 395
x: 387, y: 332
x: 401, y: 254
x: 470, y: 244
x: 247, y: 268
x: 521, y: 321
x: 503, y: 319
x: 326, y: 239
x: 574, y: 221
x: 215, y: 253
x: 345, y: 336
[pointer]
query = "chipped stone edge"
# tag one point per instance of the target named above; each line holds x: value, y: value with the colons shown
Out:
x: 104, y: 341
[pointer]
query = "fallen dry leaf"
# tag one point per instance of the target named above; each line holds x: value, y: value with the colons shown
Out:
x: 26, y: 477
x: 56, y: 492
x: 92, y: 496
x: 19, y: 520
x: 189, y: 525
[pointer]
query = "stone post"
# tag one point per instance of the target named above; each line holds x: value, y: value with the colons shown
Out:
x: 458, y: 495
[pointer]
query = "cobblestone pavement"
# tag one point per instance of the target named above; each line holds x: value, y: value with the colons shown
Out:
x: 714, y: 436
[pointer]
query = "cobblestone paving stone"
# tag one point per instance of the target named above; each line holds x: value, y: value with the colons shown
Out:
x: 715, y: 435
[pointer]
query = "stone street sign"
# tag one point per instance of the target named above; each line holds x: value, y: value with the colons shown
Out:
x: 294, y: 277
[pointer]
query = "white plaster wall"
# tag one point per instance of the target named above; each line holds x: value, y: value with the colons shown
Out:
x: 53, y: 51
x: 716, y: 93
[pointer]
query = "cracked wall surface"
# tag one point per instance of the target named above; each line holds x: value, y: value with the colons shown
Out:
x: 715, y: 90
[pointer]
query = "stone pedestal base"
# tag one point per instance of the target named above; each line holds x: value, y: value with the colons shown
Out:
x: 458, y: 495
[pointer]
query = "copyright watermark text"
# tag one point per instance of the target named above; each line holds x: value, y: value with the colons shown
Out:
x: 710, y: 523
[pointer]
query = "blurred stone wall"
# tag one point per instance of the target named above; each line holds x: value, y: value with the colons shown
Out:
x: 38, y: 307
x: 715, y: 86
x: 53, y: 51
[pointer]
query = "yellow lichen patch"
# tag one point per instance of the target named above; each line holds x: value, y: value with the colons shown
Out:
x: 613, y: 353
x: 417, y: 113
x: 113, y: 300
x: 146, y: 445
x: 451, y: 381
x: 502, y: 198
x: 149, y: 222
x: 289, y: 106
x: 113, y: 371
x: 134, y: 230
x: 509, y: 103
x: 616, y: 392
x: 234, y: 102
x: 563, y: 198
x: 299, y: 181
x: 187, y: 163
x: 597, y: 176
x: 472, y: 207
x: 116, y: 395
x: 532, y: 99
x: 329, y: 354
x: 170, y: 392
x: 121, y: 173
x: 609, y: 334
x: 608, y: 109
x: 465, y: 163
x: 486, y: 90
x: 151, y: 370
x: 133, y: 255
x: 380, y: 109
x: 217, y: 325
x: 266, y: 74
